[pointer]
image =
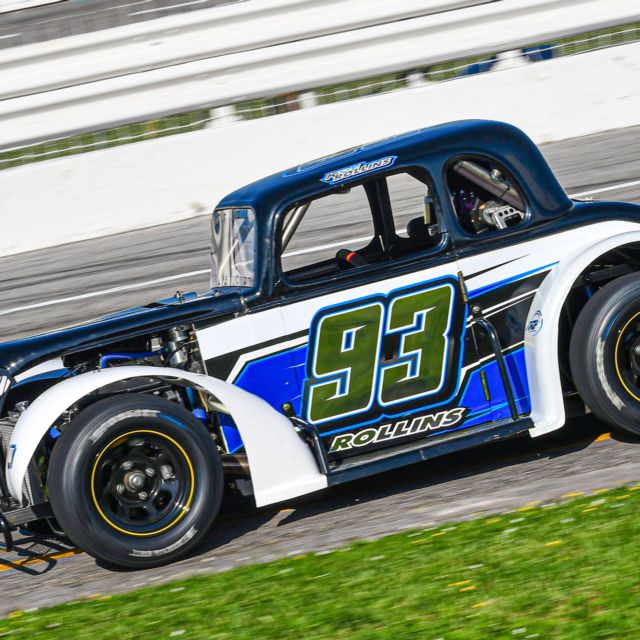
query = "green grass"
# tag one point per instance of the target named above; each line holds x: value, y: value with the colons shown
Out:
x: 571, y: 45
x: 567, y: 570
x: 361, y: 88
x: 117, y: 136
x: 610, y: 37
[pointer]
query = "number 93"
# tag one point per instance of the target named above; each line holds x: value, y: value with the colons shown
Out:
x: 379, y: 353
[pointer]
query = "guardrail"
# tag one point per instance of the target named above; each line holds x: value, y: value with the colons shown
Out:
x: 7, y: 6
x: 147, y: 71
x: 53, y: 19
x: 211, y: 33
x: 180, y: 176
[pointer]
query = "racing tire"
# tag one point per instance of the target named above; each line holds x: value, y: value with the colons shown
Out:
x: 135, y: 480
x: 604, y: 354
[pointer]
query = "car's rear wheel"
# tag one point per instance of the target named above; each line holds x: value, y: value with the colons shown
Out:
x: 135, y: 480
x: 605, y: 353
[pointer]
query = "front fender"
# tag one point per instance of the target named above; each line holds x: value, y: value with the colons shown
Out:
x: 541, y: 348
x: 281, y: 464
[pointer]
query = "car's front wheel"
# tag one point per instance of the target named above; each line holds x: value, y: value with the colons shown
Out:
x: 605, y: 353
x: 135, y: 480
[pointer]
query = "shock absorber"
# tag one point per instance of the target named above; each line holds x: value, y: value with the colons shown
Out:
x: 175, y: 346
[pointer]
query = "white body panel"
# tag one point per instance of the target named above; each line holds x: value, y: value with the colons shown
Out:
x: 43, y: 367
x: 282, y: 466
x: 565, y: 254
x: 541, y: 350
x: 255, y: 328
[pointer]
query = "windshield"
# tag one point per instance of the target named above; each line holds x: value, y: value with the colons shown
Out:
x: 233, y: 248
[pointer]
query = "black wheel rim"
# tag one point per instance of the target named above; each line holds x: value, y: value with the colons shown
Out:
x: 142, y: 483
x: 627, y: 355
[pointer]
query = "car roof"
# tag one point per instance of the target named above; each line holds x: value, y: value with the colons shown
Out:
x: 502, y: 141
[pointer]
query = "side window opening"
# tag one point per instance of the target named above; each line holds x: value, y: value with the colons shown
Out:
x: 309, y: 252
x: 414, y: 215
x: 485, y: 197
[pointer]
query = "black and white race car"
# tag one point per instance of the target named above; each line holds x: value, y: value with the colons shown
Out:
x: 462, y: 298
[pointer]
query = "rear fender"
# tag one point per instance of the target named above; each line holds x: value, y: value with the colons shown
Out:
x: 281, y: 464
x: 541, y: 340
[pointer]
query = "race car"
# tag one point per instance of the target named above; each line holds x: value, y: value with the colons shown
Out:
x: 427, y: 293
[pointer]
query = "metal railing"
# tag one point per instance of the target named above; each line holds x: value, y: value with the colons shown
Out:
x: 247, y: 52
x: 273, y: 105
x: 64, y: 19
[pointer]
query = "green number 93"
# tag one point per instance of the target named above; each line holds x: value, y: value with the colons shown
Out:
x: 345, y: 374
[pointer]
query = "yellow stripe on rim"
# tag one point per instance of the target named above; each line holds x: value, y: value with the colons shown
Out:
x: 615, y: 357
x: 185, y: 508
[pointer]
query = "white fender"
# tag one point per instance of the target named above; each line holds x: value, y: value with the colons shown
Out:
x: 541, y: 349
x: 282, y: 466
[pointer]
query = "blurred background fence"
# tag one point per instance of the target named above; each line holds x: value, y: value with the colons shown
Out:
x: 213, y: 94
x: 263, y: 57
x: 45, y: 22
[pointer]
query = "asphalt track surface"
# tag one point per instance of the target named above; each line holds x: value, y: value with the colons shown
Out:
x: 496, y: 478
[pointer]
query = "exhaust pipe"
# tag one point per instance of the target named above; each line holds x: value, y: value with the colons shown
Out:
x: 492, y: 181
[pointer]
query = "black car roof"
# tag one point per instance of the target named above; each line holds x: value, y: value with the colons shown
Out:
x: 502, y: 141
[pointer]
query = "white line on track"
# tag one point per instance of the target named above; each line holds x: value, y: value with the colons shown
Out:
x: 613, y: 187
x: 93, y: 294
x: 179, y: 276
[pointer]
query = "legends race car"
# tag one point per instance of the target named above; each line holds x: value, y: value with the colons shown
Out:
x: 393, y: 302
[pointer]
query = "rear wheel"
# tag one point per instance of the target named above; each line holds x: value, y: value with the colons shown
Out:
x: 135, y: 480
x: 605, y: 353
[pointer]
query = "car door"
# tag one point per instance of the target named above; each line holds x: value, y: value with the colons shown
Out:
x: 369, y: 287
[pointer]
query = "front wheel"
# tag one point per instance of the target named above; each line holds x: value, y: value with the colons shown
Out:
x: 135, y: 480
x: 605, y: 353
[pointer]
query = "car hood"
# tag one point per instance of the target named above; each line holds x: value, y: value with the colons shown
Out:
x: 18, y: 355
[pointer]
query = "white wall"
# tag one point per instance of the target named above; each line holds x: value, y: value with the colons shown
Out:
x: 177, y: 177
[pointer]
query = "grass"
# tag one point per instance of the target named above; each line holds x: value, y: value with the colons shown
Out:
x: 610, y: 37
x: 117, y: 136
x: 568, y: 571
x: 263, y: 107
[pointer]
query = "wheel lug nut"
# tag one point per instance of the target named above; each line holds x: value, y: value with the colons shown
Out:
x: 166, y: 471
x: 150, y: 472
x: 126, y: 465
x: 637, y: 350
x: 120, y: 489
x: 143, y: 495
